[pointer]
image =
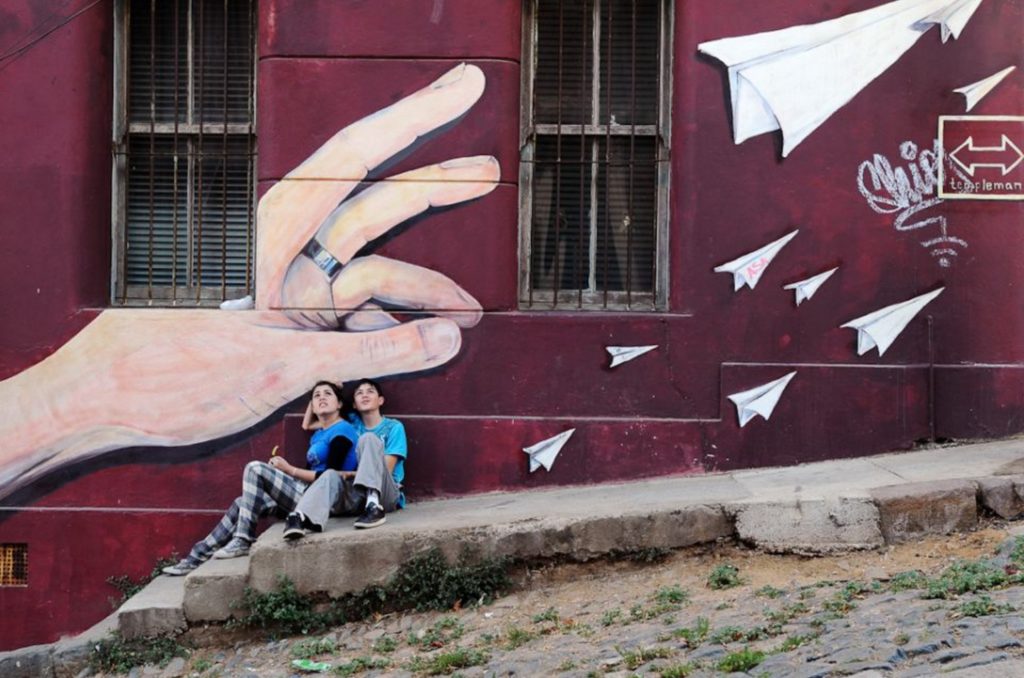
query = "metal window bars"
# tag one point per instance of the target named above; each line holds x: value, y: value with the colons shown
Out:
x: 595, y: 147
x: 186, y: 152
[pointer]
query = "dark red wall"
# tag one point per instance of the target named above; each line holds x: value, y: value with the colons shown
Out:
x: 524, y: 376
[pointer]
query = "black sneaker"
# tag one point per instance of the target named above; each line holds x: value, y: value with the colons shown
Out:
x: 372, y: 517
x: 293, y: 527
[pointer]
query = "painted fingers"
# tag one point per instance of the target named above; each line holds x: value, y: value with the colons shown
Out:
x: 294, y: 208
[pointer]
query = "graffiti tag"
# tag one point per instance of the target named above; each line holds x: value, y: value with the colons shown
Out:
x: 906, y: 192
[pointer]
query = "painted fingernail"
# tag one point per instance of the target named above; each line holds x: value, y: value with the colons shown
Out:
x: 472, y: 161
x: 450, y: 77
x: 441, y: 340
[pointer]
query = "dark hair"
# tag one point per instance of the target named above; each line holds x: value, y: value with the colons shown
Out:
x: 334, y: 387
x: 371, y: 382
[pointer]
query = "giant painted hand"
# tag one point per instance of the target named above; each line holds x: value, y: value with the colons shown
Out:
x: 176, y: 377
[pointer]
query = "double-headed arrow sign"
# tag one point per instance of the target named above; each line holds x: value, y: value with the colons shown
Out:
x: 1007, y: 148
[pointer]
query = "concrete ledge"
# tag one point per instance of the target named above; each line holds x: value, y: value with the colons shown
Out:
x: 65, y: 658
x: 809, y: 526
x: 339, y: 562
x: 915, y: 510
x: 155, y: 610
x: 212, y: 590
x: 1002, y: 495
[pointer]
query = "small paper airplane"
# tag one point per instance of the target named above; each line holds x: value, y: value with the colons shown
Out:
x: 883, y: 326
x: 623, y: 354
x: 805, y: 289
x: 976, y: 91
x: 760, y: 399
x: 748, y: 268
x: 544, y: 452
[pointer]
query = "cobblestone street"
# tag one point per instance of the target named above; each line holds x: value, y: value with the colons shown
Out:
x: 936, y: 606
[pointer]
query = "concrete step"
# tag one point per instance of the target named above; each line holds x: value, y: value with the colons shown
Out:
x: 813, y: 508
x: 156, y: 610
x: 215, y: 589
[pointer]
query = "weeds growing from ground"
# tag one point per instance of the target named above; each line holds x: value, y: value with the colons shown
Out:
x: 361, y: 664
x: 447, y: 662
x: 676, y: 670
x: 769, y: 591
x: 548, y: 615
x: 129, y: 587
x: 724, y: 577
x: 982, y: 606
x: 425, y: 582
x: 311, y: 647
x: 385, y: 645
x: 516, y: 637
x: 115, y: 654
x: 636, y: 658
x: 744, y: 660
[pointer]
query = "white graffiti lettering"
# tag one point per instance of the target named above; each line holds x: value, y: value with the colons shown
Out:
x: 908, y: 191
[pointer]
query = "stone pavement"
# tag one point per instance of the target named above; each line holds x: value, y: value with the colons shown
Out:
x: 819, y: 508
x: 643, y: 621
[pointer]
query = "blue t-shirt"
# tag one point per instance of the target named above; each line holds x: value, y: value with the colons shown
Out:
x: 392, y: 433
x: 320, y: 445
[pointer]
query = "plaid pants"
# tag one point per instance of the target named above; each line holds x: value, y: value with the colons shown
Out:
x: 264, y: 488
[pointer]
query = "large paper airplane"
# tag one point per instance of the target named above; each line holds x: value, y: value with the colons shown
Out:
x: 793, y: 79
x: 760, y: 400
x: 747, y: 268
x: 976, y: 91
x: 883, y: 326
x: 544, y: 452
x: 623, y: 354
x: 805, y: 289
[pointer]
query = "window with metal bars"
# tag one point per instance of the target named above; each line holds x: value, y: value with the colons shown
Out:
x: 13, y: 564
x: 184, y: 151
x: 595, y: 134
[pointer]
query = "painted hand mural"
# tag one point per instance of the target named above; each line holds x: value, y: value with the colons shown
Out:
x: 172, y: 377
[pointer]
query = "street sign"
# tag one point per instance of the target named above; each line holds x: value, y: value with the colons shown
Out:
x: 982, y: 157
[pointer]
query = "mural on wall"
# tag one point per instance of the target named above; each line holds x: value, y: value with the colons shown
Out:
x: 805, y: 289
x: 546, y: 451
x: 760, y: 400
x: 880, y: 328
x: 977, y: 91
x: 623, y: 354
x: 748, y: 268
x: 174, y: 377
x: 907, y: 192
x: 793, y: 79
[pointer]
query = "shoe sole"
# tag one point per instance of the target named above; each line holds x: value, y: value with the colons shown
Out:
x: 366, y: 526
x: 293, y: 534
x: 225, y: 556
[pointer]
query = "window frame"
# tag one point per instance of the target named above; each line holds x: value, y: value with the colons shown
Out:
x: 595, y: 300
x: 121, y: 293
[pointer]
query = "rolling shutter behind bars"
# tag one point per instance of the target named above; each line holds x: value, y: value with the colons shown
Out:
x: 611, y: 163
x: 189, y: 184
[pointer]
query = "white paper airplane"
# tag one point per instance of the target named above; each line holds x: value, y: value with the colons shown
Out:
x: 623, y: 354
x: 793, y: 79
x: 544, y: 452
x: 747, y: 268
x: 760, y: 399
x: 976, y: 91
x: 883, y: 326
x: 805, y: 289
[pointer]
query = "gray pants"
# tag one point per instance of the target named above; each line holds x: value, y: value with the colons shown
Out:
x: 332, y: 495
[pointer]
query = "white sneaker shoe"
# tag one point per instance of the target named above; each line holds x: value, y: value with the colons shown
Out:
x: 182, y: 568
x: 235, y: 548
